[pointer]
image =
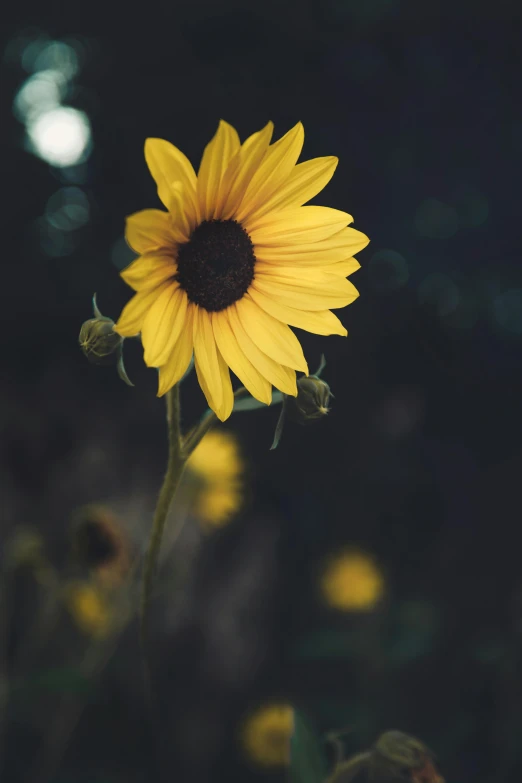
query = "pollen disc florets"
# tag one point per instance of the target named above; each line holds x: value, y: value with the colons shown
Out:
x: 216, y: 266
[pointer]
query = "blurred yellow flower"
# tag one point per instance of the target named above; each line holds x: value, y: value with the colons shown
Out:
x: 266, y: 735
x: 218, y: 504
x: 352, y: 581
x: 217, y: 464
x: 89, y: 607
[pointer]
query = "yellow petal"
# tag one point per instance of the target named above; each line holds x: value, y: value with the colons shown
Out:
x: 273, y: 172
x: 149, y: 230
x: 216, y: 156
x: 286, y: 268
x: 271, y: 336
x: 163, y: 325
x: 167, y: 165
x: 206, y: 361
x: 343, y: 268
x: 318, y: 322
x: 306, y: 181
x: 133, y: 314
x: 242, y: 168
x: 180, y: 219
x: 338, y: 247
x: 148, y: 271
x: 229, y: 348
x: 295, y: 226
x: 228, y: 393
x: 312, y: 294
x: 179, y: 358
x: 283, y: 378
x: 300, y: 276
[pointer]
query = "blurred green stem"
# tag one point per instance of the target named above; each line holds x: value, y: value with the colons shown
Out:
x: 196, y: 435
x: 180, y: 450
x: 346, y: 771
x: 175, y: 466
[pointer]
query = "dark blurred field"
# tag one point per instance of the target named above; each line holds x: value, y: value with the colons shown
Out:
x: 419, y: 464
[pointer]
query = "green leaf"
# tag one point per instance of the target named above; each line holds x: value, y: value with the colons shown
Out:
x: 251, y: 404
x: 308, y: 763
x: 279, y: 426
x: 329, y: 643
x: 122, y: 372
x: 64, y: 680
x: 95, y: 307
x: 322, y: 365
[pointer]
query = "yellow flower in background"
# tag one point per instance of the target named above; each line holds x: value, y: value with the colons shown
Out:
x: 234, y: 261
x: 352, y: 581
x: 89, y: 607
x: 217, y: 463
x: 101, y: 543
x: 266, y: 734
x: 216, y: 504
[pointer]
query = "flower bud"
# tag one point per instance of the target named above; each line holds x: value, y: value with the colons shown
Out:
x: 311, y: 403
x: 398, y: 756
x: 98, y: 341
x: 101, y: 344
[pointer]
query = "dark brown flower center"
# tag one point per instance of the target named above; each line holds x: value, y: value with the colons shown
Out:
x: 96, y: 543
x: 216, y: 265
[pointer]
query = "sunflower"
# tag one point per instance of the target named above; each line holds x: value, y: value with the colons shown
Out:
x: 234, y: 262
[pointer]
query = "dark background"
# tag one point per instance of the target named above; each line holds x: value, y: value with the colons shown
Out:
x: 420, y: 460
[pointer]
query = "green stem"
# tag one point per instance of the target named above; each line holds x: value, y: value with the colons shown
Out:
x: 345, y: 771
x: 175, y: 465
x: 179, y: 451
x: 196, y: 435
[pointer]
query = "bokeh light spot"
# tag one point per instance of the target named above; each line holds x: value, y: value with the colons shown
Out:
x: 436, y: 220
x: 59, y: 56
x: 39, y: 93
x: 507, y: 310
x: 32, y: 47
x: 68, y: 209
x: 61, y: 136
x: 352, y: 581
x: 266, y: 735
x: 438, y: 291
x: 388, y: 271
x: 471, y: 205
x: 54, y: 242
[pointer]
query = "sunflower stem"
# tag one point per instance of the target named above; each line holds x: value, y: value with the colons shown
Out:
x: 175, y: 466
x: 209, y: 418
x: 180, y: 450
